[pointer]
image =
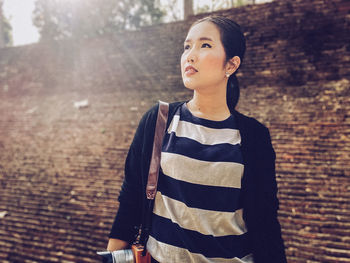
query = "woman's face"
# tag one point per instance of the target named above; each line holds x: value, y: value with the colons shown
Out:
x: 203, y: 59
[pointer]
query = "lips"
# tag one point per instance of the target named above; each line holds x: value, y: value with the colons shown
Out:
x: 190, y: 70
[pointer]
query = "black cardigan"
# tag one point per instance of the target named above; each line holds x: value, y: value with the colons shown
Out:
x: 259, y: 187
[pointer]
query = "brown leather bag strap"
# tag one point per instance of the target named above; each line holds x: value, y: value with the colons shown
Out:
x: 153, y: 173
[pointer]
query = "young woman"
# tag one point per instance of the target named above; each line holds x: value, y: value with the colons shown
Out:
x: 217, y: 193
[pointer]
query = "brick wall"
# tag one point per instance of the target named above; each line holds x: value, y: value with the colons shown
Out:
x: 61, y: 167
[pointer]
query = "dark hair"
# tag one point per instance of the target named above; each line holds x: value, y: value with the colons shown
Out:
x: 233, y: 41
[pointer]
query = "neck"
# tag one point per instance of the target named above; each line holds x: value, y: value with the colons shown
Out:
x: 210, y: 106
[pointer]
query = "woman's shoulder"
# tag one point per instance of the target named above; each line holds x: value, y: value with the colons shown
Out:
x: 247, y: 122
x: 173, y: 106
x: 150, y: 116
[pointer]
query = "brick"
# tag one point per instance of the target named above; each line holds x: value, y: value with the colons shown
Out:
x: 61, y: 168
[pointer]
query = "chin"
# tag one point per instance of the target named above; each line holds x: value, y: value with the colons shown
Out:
x: 189, y: 84
x: 189, y: 87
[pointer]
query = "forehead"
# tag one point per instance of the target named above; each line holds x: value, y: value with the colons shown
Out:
x: 204, y: 30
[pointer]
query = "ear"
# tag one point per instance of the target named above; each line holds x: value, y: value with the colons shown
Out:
x: 233, y: 64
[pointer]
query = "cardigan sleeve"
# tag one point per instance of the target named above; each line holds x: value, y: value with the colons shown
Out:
x: 129, y: 215
x: 268, y: 242
x: 132, y: 195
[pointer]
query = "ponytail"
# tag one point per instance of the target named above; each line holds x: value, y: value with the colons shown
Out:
x: 232, y: 92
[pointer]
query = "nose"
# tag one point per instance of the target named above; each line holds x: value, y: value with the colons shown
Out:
x: 191, y: 56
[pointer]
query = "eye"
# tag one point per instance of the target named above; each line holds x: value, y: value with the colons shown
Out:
x: 186, y: 47
x: 206, y: 45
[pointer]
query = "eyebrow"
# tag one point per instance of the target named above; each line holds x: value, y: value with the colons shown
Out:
x: 201, y: 39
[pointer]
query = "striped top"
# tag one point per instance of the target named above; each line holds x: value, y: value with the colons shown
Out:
x: 197, y: 215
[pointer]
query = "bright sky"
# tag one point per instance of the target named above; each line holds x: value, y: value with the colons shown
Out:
x: 19, y: 12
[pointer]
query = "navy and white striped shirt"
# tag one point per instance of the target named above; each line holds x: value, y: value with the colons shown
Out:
x: 197, y: 215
